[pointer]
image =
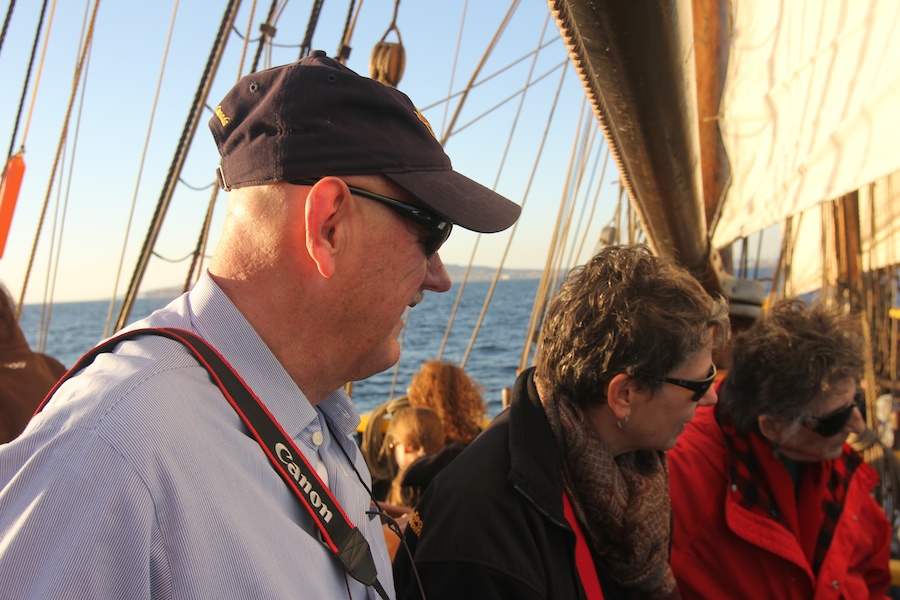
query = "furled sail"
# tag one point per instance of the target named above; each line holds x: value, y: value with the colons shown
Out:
x: 809, y: 107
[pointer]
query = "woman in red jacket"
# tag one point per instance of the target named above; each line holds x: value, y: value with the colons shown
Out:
x: 768, y: 500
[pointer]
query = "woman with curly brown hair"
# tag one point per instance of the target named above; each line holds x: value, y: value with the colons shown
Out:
x: 565, y: 494
x: 447, y: 390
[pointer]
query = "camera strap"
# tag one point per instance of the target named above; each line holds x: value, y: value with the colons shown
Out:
x: 345, y: 540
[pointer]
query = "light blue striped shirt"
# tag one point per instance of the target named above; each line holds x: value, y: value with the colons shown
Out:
x: 138, y: 480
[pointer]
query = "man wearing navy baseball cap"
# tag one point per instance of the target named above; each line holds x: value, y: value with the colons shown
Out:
x: 207, y: 451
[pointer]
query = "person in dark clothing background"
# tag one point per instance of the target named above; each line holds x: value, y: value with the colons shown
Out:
x: 25, y: 376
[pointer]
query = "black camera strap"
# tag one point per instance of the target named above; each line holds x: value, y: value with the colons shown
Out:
x: 340, y: 535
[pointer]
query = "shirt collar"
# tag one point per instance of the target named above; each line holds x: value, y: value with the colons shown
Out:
x: 215, y: 318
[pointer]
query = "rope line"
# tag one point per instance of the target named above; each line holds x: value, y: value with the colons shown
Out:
x: 190, y: 128
x: 495, y: 74
x: 9, y: 13
x: 311, y: 27
x: 37, y: 37
x: 343, y: 52
x: 487, y: 53
x: 499, y: 271
x: 268, y: 30
x: 62, y: 138
x: 246, y: 39
x: 196, y: 267
x: 137, y: 184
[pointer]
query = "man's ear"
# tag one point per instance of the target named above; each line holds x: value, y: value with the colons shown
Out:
x: 621, y: 394
x: 325, y: 216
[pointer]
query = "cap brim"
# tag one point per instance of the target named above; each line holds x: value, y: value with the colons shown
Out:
x: 465, y: 202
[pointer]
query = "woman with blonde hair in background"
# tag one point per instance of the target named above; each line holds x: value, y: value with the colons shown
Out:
x: 414, y: 432
x: 446, y: 389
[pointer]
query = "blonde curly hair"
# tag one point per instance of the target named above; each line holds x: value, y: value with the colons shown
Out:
x: 447, y: 390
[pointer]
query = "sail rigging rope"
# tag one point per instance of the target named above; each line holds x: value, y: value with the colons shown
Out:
x: 446, y: 135
x: 9, y: 13
x: 589, y: 138
x: 448, y: 132
x: 85, y: 48
x: 512, y: 234
x: 197, y: 256
x: 545, y: 287
x: 37, y: 37
x: 311, y: 27
x: 504, y: 156
x: 343, y: 52
x: 195, y: 270
x: 197, y: 188
x: 246, y: 40
x: 267, y: 30
x: 590, y: 217
x: 456, y: 52
x: 512, y: 96
x: 487, y: 53
x: 62, y: 201
x: 137, y: 184
x: 450, y: 96
x: 190, y: 127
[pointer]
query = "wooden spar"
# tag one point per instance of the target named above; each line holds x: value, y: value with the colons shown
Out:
x: 711, y: 56
x: 9, y: 194
x: 637, y: 65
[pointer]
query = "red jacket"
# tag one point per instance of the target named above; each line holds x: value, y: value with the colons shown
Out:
x: 723, y: 549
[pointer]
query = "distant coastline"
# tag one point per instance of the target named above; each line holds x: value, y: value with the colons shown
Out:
x: 456, y: 274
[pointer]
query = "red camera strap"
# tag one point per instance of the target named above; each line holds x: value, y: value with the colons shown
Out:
x: 345, y: 540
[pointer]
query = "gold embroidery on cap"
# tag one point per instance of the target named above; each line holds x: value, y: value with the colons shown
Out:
x: 225, y: 120
x: 415, y: 521
x: 425, y: 121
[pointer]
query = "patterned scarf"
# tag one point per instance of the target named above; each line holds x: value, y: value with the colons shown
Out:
x: 622, y: 502
x: 750, y: 458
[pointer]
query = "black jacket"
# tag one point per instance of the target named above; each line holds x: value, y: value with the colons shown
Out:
x: 492, y: 522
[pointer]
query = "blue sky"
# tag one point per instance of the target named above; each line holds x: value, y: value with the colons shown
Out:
x: 100, y: 177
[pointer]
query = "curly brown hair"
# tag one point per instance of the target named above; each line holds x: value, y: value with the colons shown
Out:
x: 781, y: 365
x: 447, y: 390
x: 626, y: 311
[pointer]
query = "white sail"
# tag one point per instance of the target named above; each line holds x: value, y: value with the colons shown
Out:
x: 809, y: 110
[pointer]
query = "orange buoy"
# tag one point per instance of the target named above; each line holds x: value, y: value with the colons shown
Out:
x: 9, y: 194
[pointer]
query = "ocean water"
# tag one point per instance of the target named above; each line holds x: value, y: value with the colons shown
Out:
x: 76, y: 326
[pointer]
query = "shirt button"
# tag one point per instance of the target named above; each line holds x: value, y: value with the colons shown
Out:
x: 317, y: 438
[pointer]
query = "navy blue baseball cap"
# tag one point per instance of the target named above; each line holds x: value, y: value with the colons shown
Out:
x: 316, y: 117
